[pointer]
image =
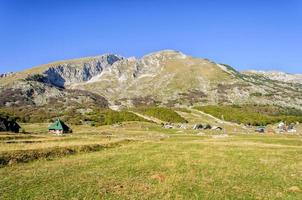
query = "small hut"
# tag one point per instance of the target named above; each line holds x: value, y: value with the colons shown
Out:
x: 260, y: 129
x: 59, y: 127
x: 198, y: 126
x: 218, y: 128
x: 7, y: 124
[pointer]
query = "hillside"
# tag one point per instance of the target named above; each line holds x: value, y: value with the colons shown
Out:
x: 278, y: 76
x: 167, y: 78
x: 119, y: 147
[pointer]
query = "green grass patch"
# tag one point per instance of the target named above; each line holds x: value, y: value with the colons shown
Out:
x: 109, y: 117
x: 183, y: 110
x: 253, y: 114
x: 181, y: 167
x: 164, y: 114
x: 73, y: 115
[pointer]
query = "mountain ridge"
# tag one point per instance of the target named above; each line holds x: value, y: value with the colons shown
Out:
x: 278, y: 75
x: 167, y: 78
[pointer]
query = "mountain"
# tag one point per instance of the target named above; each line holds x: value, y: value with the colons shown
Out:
x: 168, y: 78
x: 6, y: 74
x: 278, y: 76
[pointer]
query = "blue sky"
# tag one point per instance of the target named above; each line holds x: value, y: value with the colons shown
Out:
x: 247, y: 34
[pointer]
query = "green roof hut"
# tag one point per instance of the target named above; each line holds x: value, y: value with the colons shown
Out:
x: 59, y: 127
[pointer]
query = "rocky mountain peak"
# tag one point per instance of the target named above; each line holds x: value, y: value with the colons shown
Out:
x: 165, y: 54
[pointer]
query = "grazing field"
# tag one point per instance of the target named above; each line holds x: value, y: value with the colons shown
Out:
x: 154, y: 163
x: 255, y: 115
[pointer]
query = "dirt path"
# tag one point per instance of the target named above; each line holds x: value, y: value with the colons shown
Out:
x: 216, y: 119
x: 153, y: 119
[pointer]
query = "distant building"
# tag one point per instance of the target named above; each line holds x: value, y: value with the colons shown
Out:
x: 183, y: 126
x: 59, y: 127
x: 282, y: 127
x: 7, y: 124
x: 168, y: 126
x: 208, y: 126
x: 198, y: 126
x: 291, y: 128
x: 260, y: 129
x: 217, y: 128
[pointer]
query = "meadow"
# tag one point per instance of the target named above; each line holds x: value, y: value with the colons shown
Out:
x: 256, y: 115
x: 149, y: 162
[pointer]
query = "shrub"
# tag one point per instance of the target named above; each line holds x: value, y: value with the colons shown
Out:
x: 15, y: 97
x: 36, y: 77
x: 256, y: 94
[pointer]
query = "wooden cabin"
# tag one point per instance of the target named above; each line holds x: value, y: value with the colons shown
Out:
x: 59, y: 127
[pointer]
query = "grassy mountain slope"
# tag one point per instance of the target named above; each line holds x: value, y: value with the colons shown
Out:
x: 162, y: 75
x: 167, y: 78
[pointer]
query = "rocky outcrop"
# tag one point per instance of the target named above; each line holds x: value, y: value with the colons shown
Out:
x: 6, y: 74
x: 33, y: 93
x: 278, y: 76
x: 79, y: 71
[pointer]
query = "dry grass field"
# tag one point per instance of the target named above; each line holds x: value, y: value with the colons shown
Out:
x: 144, y: 161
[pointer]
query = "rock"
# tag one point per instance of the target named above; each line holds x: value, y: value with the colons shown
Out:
x: 32, y: 93
x: 6, y: 74
x: 78, y: 71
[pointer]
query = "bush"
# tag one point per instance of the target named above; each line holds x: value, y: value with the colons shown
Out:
x: 256, y: 94
x: 36, y: 77
x: 15, y: 97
